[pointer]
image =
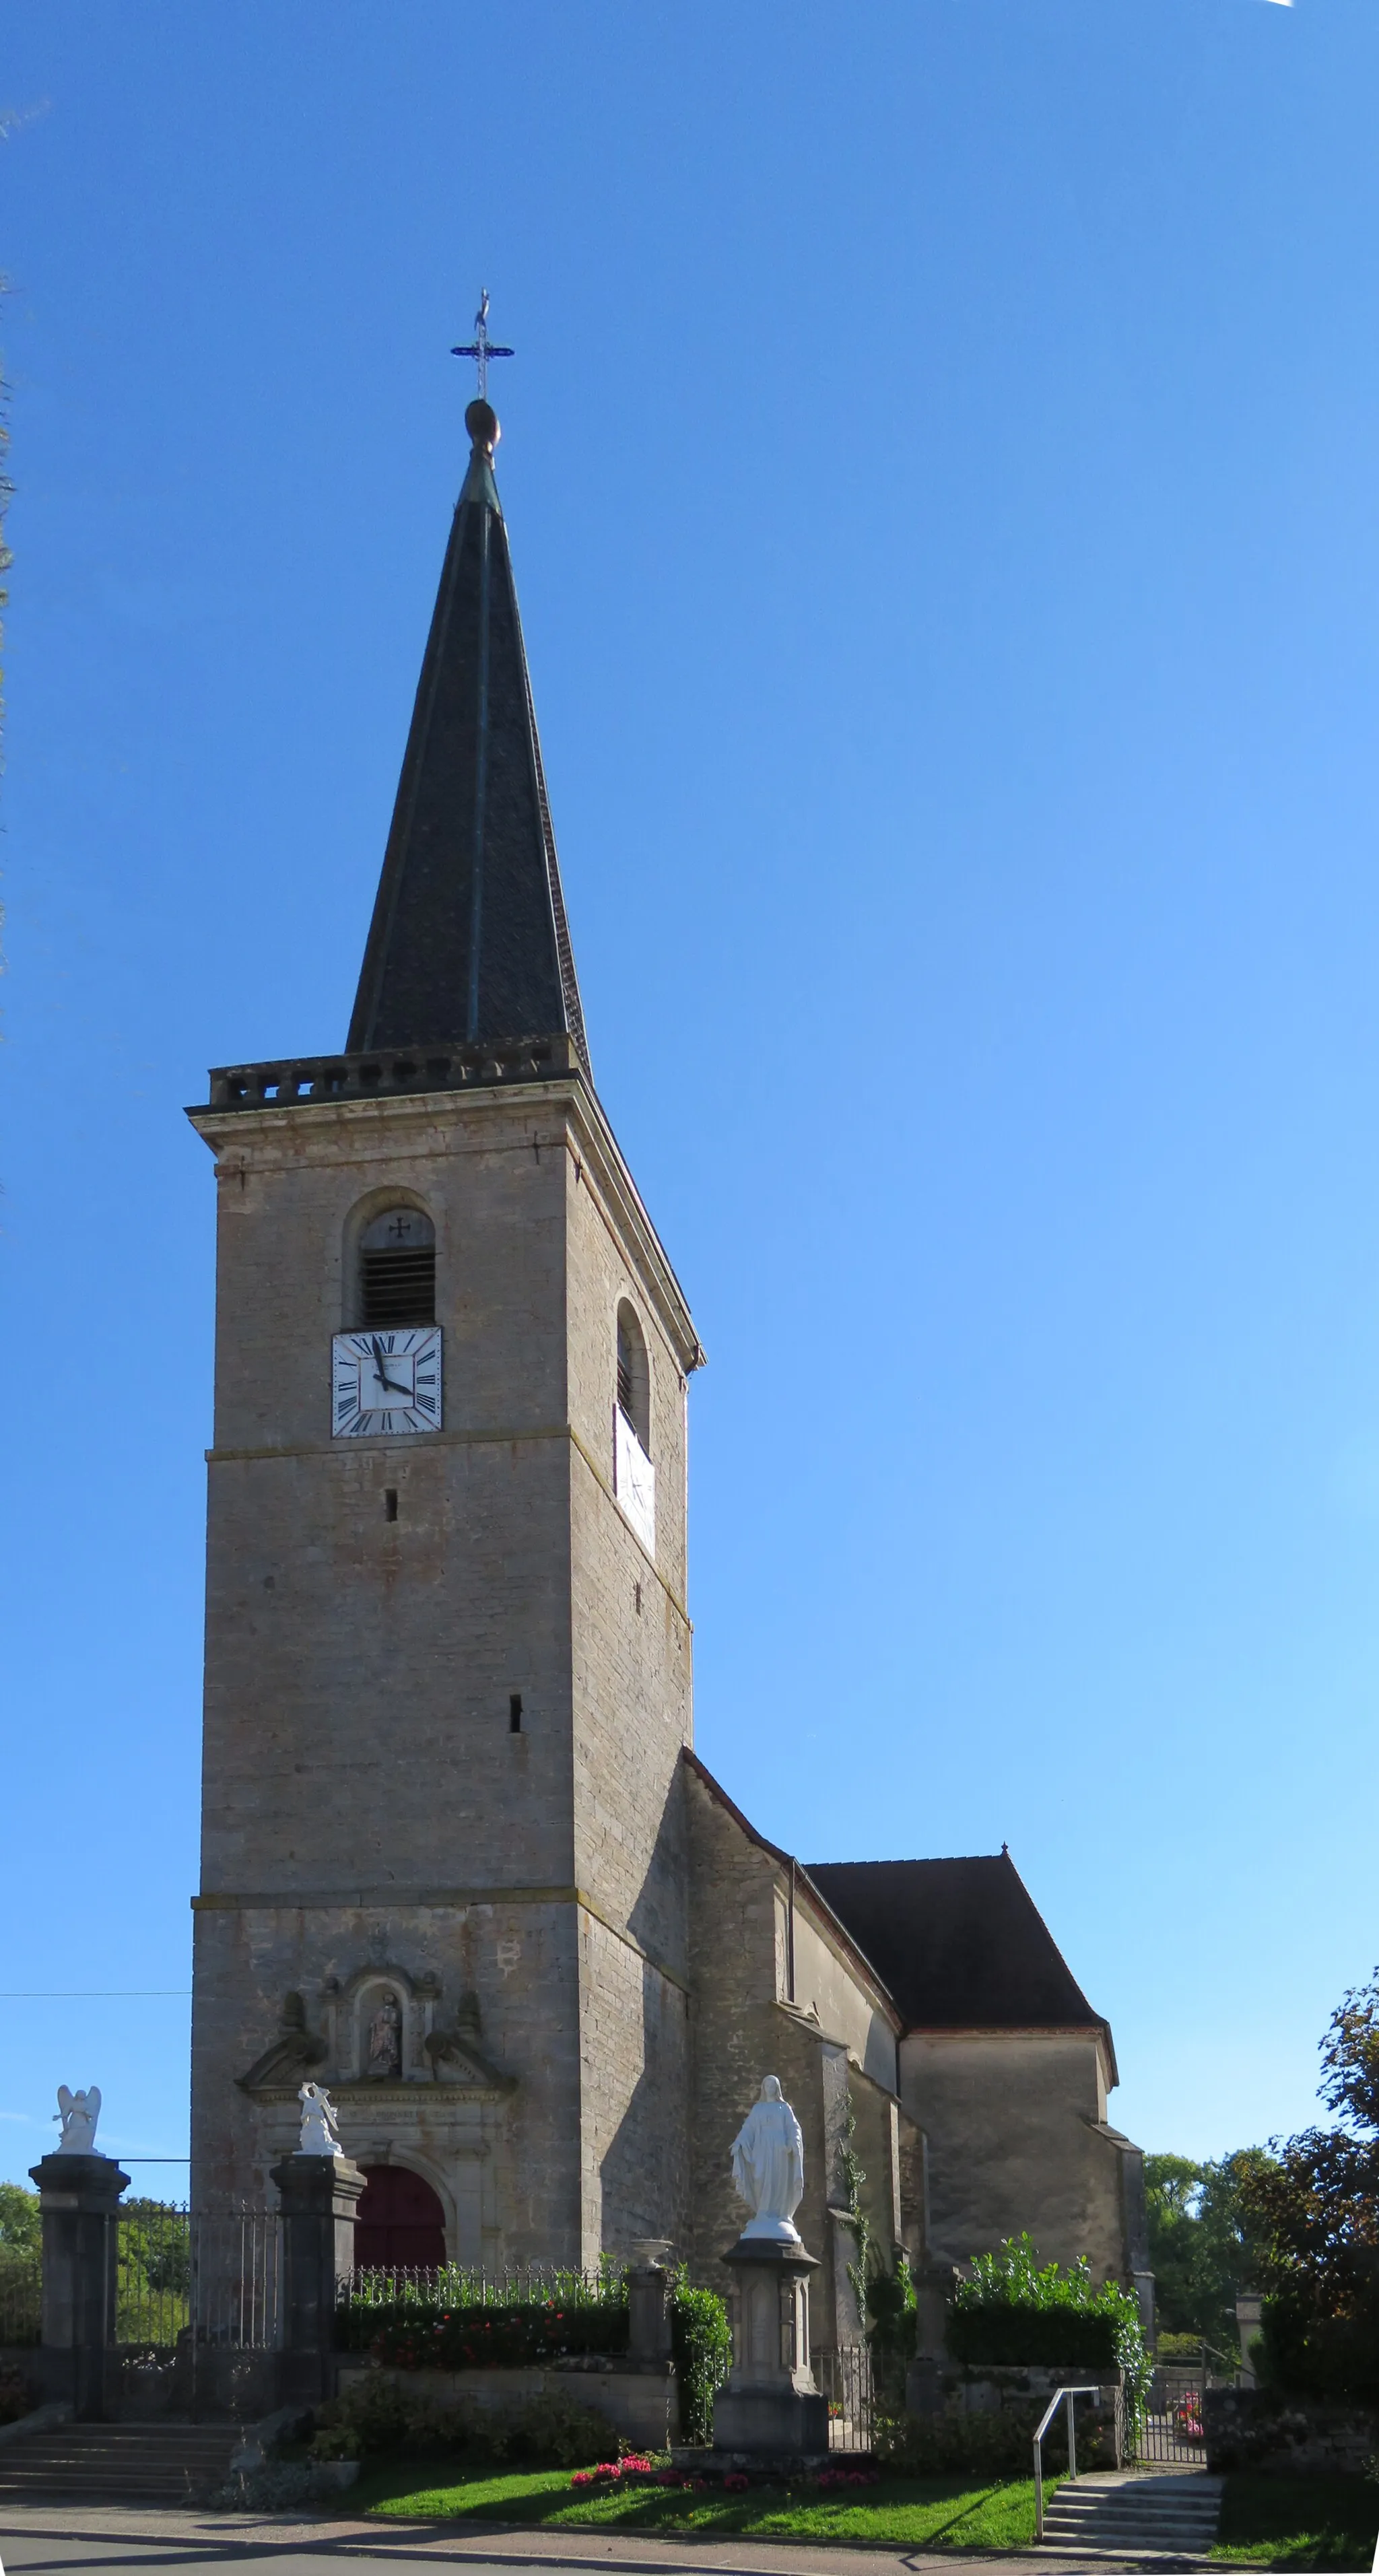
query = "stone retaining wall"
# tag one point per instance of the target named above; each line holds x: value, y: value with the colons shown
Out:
x: 643, y: 2405
x: 1281, y: 2436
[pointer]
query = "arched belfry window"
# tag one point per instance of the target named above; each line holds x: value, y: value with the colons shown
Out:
x: 634, y: 1377
x: 634, y: 1477
x: 397, y: 1270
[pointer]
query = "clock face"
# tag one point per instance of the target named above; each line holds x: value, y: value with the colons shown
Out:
x: 386, y: 1382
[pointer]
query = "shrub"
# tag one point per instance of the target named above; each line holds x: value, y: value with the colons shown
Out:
x: 376, y: 2416
x: 561, y: 2429
x: 701, y: 2342
x: 1050, y: 2338
x: 926, y: 2446
x: 995, y: 2445
x: 1019, y: 2300
x: 276, y: 2488
x: 424, y: 2334
x: 373, y: 2414
x: 15, y: 2396
x: 891, y: 2332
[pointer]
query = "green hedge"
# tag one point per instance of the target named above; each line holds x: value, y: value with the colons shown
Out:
x: 419, y: 2334
x: 702, y: 2344
x: 1048, y: 2338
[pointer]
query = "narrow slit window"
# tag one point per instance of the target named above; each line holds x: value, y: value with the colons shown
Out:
x: 515, y: 1714
x: 397, y: 1270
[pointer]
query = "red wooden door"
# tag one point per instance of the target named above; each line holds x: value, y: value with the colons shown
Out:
x: 400, y: 2220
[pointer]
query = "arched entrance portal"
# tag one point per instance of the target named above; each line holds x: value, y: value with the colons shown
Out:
x: 400, y: 2220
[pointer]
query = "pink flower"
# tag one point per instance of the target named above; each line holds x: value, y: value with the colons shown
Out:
x: 734, y: 2482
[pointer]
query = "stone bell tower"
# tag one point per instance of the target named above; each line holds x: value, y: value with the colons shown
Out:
x: 447, y: 1654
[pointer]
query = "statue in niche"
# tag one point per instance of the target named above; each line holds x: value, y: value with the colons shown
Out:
x: 768, y: 2166
x: 78, y: 2113
x: 293, y: 2054
x: 385, y: 2039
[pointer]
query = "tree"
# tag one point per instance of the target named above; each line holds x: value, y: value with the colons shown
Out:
x: 21, y: 2228
x: 1315, y: 2205
x: 1204, y: 2244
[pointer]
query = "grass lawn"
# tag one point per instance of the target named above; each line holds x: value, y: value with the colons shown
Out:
x: 949, y: 2513
x: 1298, y: 2522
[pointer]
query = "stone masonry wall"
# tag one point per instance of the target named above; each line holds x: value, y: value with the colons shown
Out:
x: 1011, y: 2121
x: 743, y: 2028
x: 365, y: 1794
x: 505, y: 2166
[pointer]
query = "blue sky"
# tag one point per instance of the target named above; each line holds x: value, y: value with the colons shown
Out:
x: 941, y: 460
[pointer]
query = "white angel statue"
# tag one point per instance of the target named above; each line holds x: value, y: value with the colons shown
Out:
x: 78, y: 2113
x: 768, y: 2166
x: 320, y: 2136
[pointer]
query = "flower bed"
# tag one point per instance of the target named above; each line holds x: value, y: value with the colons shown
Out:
x: 638, y: 2469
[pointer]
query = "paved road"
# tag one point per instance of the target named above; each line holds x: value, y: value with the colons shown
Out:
x: 117, y: 2540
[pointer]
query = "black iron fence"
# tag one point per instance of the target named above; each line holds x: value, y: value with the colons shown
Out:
x: 460, y: 2285
x: 843, y: 2374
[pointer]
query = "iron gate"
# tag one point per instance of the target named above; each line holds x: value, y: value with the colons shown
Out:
x: 843, y: 2375
x: 1171, y: 2433
x: 196, y: 2298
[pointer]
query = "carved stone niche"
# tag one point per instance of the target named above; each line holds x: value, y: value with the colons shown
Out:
x: 384, y: 2032
x: 380, y: 2017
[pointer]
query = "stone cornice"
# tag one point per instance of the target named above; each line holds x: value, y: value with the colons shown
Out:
x: 359, y: 1900
x: 349, y: 2096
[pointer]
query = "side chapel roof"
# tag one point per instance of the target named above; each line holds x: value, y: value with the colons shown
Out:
x: 952, y: 1944
x: 961, y: 1944
x: 469, y: 941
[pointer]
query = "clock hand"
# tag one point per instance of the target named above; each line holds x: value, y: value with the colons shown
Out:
x: 389, y: 1385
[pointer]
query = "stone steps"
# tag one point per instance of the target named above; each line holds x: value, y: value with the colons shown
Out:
x: 1113, y: 2515
x: 117, y: 2463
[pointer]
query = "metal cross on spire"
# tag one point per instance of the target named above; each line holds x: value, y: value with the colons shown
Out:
x: 481, y: 348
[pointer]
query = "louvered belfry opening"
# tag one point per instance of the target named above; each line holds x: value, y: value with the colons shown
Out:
x: 397, y: 1266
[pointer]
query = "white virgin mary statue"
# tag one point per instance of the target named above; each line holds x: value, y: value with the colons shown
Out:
x: 768, y: 2166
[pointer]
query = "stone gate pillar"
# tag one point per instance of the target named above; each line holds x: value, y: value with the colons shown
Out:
x: 79, y: 2198
x: 319, y: 2196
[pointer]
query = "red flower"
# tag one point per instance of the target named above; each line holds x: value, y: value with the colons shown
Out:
x: 734, y: 2482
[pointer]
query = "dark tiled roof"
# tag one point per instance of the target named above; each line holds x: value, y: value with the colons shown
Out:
x: 960, y: 1943
x: 469, y: 942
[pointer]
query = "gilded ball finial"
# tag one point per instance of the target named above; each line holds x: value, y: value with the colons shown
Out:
x: 481, y: 421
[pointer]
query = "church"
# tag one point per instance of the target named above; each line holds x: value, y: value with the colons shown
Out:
x: 460, y: 1861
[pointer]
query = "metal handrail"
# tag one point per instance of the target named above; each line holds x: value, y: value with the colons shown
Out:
x: 1057, y: 2399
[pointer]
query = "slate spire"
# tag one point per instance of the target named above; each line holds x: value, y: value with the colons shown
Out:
x: 469, y: 942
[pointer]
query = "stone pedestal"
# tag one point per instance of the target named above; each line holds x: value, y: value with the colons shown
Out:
x: 770, y: 2408
x: 1249, y: 2319
x: 924, y: 2380
x: 319, y: 2196
x: 648, y: 2317
x: 79, y: 2199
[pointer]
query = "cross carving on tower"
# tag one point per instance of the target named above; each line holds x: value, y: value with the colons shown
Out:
x: 481, y: 348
